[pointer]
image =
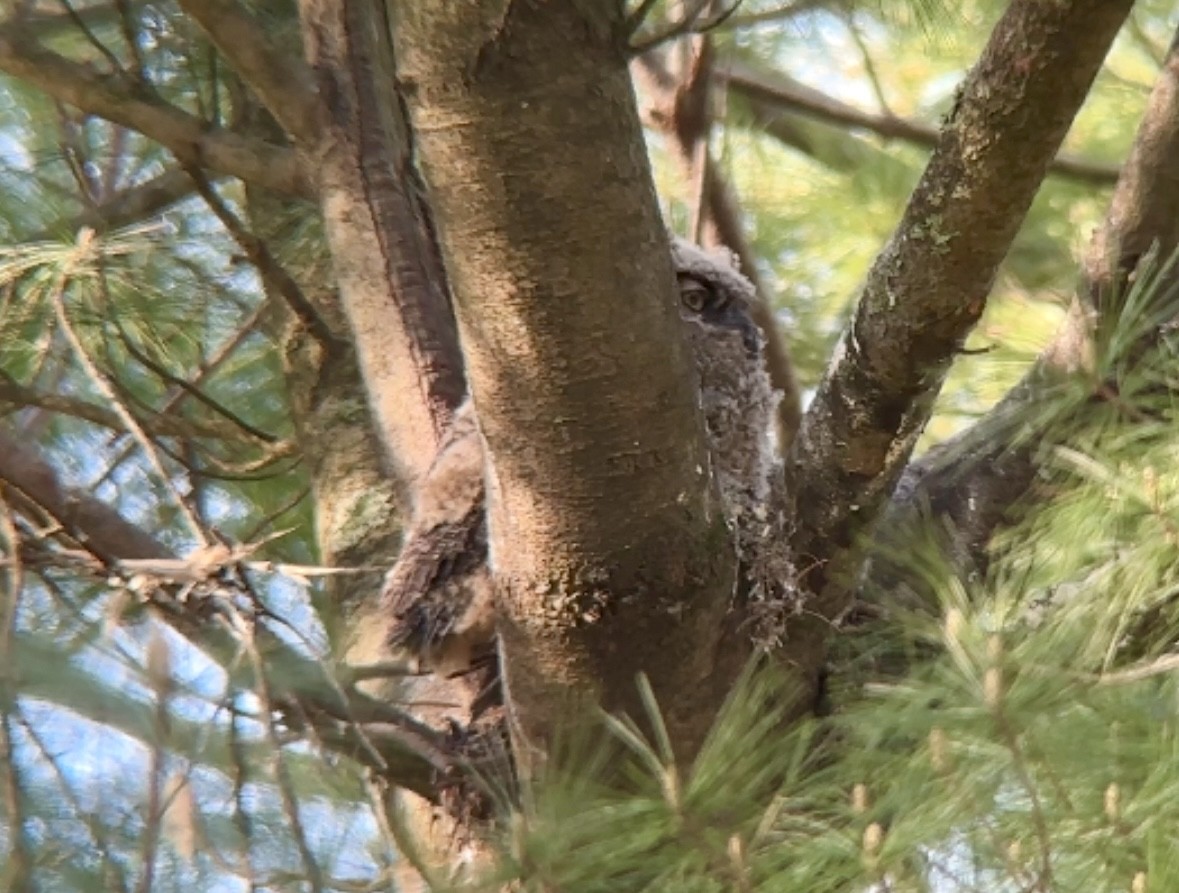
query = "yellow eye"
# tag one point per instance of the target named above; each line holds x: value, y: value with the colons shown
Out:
x: 693, y: 295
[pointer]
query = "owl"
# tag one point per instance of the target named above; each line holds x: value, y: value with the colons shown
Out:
x: 439, y: 593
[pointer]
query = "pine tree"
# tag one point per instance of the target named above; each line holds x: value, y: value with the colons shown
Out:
x: 251, y: 259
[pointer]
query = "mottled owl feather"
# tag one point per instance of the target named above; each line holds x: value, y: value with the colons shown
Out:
x: 439, y: 593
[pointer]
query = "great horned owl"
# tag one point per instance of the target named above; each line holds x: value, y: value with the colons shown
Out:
x: 439, y: 593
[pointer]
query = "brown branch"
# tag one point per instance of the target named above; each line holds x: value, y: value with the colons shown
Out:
x: 128, y: 206
x: 20, y: 849
x: 80, y: 25
x: 212, y: 364
x: 928, y: 287
x: 103, y: 384
x: 278, y: 764
x: 57, y: 24
x: 409, y: 752
x: 165, y: 374
x: 90, y: 521
x: 188, y: 137
x: 974, y: 480
x: 281, y: 81
x: 277, y: 280
x: 388, y: 265
x: 773, y: 92
x: 564, y: 292
x: 161, y: 424
x: 688, y: 23
x: 780, y: 14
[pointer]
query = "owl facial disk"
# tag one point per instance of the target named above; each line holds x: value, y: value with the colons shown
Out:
x: 702, y: 302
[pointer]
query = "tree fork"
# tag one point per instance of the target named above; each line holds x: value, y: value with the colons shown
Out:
x: 929, y: 285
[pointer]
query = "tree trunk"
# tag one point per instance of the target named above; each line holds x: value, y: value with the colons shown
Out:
x: 609, y: 549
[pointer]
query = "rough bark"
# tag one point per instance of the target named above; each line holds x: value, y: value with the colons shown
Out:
x: 929, y: 286
x: 605, y: 536
x: 977, y: 478
x: 385, y: 258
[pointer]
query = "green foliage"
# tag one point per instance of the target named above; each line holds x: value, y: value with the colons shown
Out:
x: 1022, y: 736
x: 1018, y: 735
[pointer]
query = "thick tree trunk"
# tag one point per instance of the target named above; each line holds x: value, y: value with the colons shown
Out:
x: 607, y: 544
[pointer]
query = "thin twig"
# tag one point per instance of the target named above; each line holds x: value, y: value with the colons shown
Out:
x: 93, y: 824
x: 153, y: 821
x: 264, y: 164
x: 20, y: 861
x: 770, y: 91
x: 242, y: 820
x: 271, y: 271
x: 103, y: 50
x: 104, y: 387
x: 314, y: 875
x: 684, y: 25
x: 223, y: 353
x: 635, y: 19
x: 17, y: 395
x: 1039, y: 820
x: 126, y: 206
x: 869, y: 66
x: 778, y: 14
x: 127, y: 22
x: 171, y: 378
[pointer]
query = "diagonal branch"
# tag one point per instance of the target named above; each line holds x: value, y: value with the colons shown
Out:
x: 283, y: 83
x: 974, y: 480
x: 104, y: 531
x: 131, y: 205
x: 928, y: 287
x: 388, y: 265
x: 682, y: 111
x: 380, y: 736
x: 192, y: 140
x: 771, y: 93
x: 161, y: 424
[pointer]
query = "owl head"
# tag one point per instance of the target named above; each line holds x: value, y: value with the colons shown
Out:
x: 737, y: 399
x: 714, y: 293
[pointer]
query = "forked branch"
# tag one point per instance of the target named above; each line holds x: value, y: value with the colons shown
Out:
x: 929, y: 285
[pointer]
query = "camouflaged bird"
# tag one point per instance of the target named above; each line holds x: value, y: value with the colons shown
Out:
x: 439, y: 593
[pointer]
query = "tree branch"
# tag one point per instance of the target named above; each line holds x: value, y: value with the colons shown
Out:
x: 128, y: 206
x: 565, y: 297
x: 86, y: 519
x: 683, y: 113
x: 929, y: 286
x: 282, y: 82
x: 160, y: 424
x: 410, y: 753
x: 387, y: 263
x: 771, y: 93
x: 192, y: 140
x: 975, y: 479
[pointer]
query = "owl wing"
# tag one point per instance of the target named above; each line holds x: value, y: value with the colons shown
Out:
x: 439, y: 591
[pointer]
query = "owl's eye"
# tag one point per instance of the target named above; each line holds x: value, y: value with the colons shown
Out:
x: 694, y: 295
